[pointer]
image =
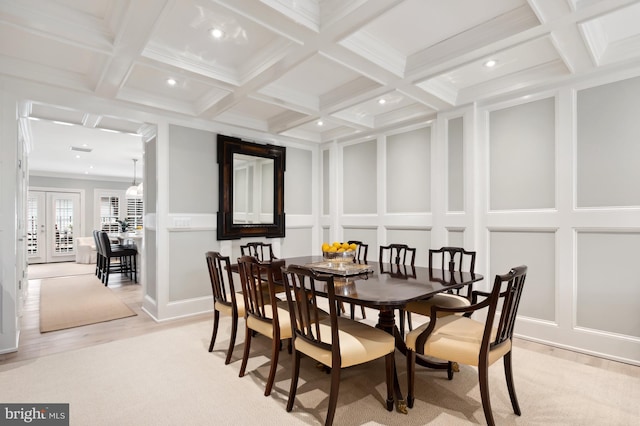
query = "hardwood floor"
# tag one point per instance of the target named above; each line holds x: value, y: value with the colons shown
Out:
x: 34, y: 344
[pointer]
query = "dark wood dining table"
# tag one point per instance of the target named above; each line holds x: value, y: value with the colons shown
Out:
x: 387, y: 288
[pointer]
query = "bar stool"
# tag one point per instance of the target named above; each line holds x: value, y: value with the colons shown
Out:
x: 126, y: 256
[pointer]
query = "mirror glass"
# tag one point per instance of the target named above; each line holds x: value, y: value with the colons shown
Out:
x: 252, y: 189
x: 251, y: 202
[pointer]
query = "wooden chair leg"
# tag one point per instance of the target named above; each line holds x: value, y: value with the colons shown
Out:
x: 353, y: 311
x: 274, y: 366
x: 245, y: 355
x: 449, y: 370
x: 411, y: 369
x: 295, y: 373
x: 232, y: 341
x: 333, y: 394
x: 483, y: 378
x: 216, y: 318
x: 508, y: 372
x: 390, y: 367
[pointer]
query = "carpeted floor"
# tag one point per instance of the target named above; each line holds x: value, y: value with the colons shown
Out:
x: 62, y: 269
x: 169, y: 378
x: 73, y: 301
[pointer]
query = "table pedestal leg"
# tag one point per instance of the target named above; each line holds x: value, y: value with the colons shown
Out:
x: 386, y: 322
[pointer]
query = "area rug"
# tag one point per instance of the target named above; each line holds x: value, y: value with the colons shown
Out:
x: 62, y: 269
x: 68, y: 302
x: 169, y: 378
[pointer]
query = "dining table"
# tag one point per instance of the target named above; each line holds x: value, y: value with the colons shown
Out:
x: 388, y: 288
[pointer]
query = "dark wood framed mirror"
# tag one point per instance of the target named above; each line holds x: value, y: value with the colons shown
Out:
x: 251, y: 192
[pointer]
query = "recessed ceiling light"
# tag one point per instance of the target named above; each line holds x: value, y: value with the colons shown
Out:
x: 77, y: 156
x: 172, y: 81
x: 320, y: 123
x: 382, y: 101
x: 216, y: 33
x: 490, y: 63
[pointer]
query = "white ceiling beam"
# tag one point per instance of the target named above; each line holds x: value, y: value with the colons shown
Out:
x: 132, y: 37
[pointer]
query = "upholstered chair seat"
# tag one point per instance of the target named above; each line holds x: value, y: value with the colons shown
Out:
x: 359, y: 343
x: 457, y: 339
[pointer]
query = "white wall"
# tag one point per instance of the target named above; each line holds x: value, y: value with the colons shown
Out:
x: 541, y: 184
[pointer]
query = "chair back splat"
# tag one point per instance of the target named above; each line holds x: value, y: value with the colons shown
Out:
x: 302, y: 293
x: 507, y: 287
x: 398, y: 254
x: 261, y: 251
x: 454, y: 259
x: 361, y: 251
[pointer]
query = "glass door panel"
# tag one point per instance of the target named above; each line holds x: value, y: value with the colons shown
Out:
x: 64, y: 218
x: 52, y: 221
x: 36, y: 227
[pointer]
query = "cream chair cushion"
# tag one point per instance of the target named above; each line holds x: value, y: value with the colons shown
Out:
x: 456, y: 338
x: 359, y: 343
x: 423, y: 307
x: 227, y: 309
x: 266, y: 328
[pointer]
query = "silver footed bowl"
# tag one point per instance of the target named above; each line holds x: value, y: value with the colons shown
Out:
x: 339, y: 257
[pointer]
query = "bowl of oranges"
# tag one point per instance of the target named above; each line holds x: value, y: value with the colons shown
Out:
x: 339, y: 252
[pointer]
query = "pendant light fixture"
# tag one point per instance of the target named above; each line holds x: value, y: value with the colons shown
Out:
x: 132, y: 191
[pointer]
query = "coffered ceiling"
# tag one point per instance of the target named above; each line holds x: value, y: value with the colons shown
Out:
x: 313, y: 70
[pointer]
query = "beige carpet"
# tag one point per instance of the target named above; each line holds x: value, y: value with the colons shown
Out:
x: 62, y: 269
x: 78, y: 300
x: 169, y: 378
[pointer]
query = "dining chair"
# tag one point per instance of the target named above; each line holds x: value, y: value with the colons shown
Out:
x: 361, y: 251
x: 126, y: 256
x: 259, y: 250
x: 264, y: 313
x: 334, y: 341
x: 451, y: 259
x: 467, y: 341
x: 226, y: 299
x: 397, y: 254
x: 360, y: 257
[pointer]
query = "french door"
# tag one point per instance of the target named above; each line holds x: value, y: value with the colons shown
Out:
x: 52, y: 218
